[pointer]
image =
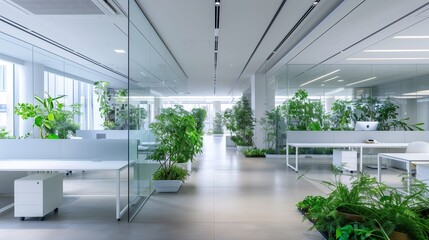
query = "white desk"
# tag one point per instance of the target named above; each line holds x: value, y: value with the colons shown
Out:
x: 359, y: 146
x: 66, y: 165
x: 407, y: 158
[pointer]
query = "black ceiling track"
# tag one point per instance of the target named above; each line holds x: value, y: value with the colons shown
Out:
x: 216, y: 42
x: 279, y: 9
x: 59, y: 45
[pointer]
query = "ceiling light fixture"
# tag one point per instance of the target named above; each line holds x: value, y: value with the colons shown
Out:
x: 319, y: 77
x: 386, y: 59
x: 361, y: 81
x: 119, y: 51
x: 327, y: 80
x: 411, y: 37
x: 217, y: 3
x: 341, y: 80
x: 316, y: 2
x: 397, y: 50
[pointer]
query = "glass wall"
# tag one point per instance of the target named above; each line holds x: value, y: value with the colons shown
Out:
x: 405, y: 86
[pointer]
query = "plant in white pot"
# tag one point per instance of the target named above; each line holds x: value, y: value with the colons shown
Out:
x: 178, y: 142
x: 244, y: 123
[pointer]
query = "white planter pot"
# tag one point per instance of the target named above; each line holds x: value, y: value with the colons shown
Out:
x: 276, y: 156
x: 167, y: 185
x: 242, y: 148
x: 228, y: 141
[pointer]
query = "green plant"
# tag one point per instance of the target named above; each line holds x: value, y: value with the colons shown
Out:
x: 305, y: 114
x: 228, y: 121
x: 200, y: 115
x: 177, y: 137
x: 217, y: 124
x: 384, y: 112
x: 101, y: 88
x: 172, y: 173
x: 309, y: 202
x: 254, y: 152
x: 357, y: 231
x: 341, y: 115
x: 242, y: 116
x: 274, y: 126
x: 49, y: 116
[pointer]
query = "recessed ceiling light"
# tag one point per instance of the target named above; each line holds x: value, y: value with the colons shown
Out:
x: 341, y: 80
x: 397, y: 50
x: 386, y: 59
x: 327, y: 80
x: 361, y: 81
x: 217, y: 3
x: 320, y: 77
x: 322, y: 85
x: 142, y: 73
x: 119, y: 51
x: 411, y: 37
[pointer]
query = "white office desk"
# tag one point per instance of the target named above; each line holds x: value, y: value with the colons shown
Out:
x: 359, y: 146
x: 69, y: 165
x: 407, y: 158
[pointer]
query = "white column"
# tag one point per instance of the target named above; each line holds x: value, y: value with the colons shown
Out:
x: 30, y: 83
x: 217, y: 106
x: 157, y: 104
x: 259, y: 104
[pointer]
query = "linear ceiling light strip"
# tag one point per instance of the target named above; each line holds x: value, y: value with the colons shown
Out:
x: 67, y: 49
x: 376, y: 32
x: 279, y: 9
x: 363, y: 39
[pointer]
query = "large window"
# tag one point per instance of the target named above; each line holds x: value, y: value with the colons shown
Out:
x: 6, y: 95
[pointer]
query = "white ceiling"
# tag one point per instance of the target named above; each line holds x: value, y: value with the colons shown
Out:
x: 187, y: 28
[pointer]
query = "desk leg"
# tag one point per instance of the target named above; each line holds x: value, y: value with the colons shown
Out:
x: 408, y: 177
x: 296, y: 160
x: 118, y: 195
x: 361, y: 159
x: 379, y: 168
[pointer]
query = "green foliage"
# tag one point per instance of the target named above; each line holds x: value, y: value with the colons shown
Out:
x: 103, y: 97
x: 243, y: 119
x: 50, y: 116
x: 228, y: 121
x: 357, y: 231
x: 254, y: 152
x: 200, y: 115
x: 177, y: 137
x: 305, y: 114
x: 341, y: 116
x: 383, y: 209
x: 172, y: 173
x: 115, y: 110
x: 384, y: 112
x: 217, y: 124
x: 274, y: 126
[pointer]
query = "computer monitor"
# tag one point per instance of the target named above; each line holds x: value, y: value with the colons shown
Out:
x: 366, y: 126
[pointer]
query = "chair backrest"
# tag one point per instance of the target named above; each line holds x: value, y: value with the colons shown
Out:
x: 418, y: 147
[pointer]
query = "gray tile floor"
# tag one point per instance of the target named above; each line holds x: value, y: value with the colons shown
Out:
x: 227, y: 197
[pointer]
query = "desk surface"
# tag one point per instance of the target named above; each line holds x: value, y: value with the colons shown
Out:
x: 406, y: 156
x: 58, y: 165
x: 364, y: 145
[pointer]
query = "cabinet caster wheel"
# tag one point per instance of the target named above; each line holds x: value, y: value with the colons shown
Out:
x: 41, y: 218
x: 56, y: 210
x: 22, y: 218
x: 118, y: 219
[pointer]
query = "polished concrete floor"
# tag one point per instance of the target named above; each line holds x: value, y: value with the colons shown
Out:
x: 227, y: 197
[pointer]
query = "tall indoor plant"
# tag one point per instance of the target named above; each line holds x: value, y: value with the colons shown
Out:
x: 244, y: 123
x: 217, y: 124
x: 178, y: 142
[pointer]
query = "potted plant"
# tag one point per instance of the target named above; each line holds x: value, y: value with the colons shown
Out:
x: 274, y: 125
x: 178, y: 142
x: 217, y: 125
x: 243, y: 119
x: 228, y: 121
x: 50, y: 117
x: 341, y: 115
x: 200, y: 115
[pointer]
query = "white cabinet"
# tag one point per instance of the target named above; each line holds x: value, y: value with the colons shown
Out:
x: 37, y: 195
x: 347, y: 159
x: 422, y: 172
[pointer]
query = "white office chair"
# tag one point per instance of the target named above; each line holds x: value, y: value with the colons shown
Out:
x: 418, y: 147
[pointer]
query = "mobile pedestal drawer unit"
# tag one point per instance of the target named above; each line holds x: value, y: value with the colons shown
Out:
x: 345, y: 159
x: 37, y: 195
